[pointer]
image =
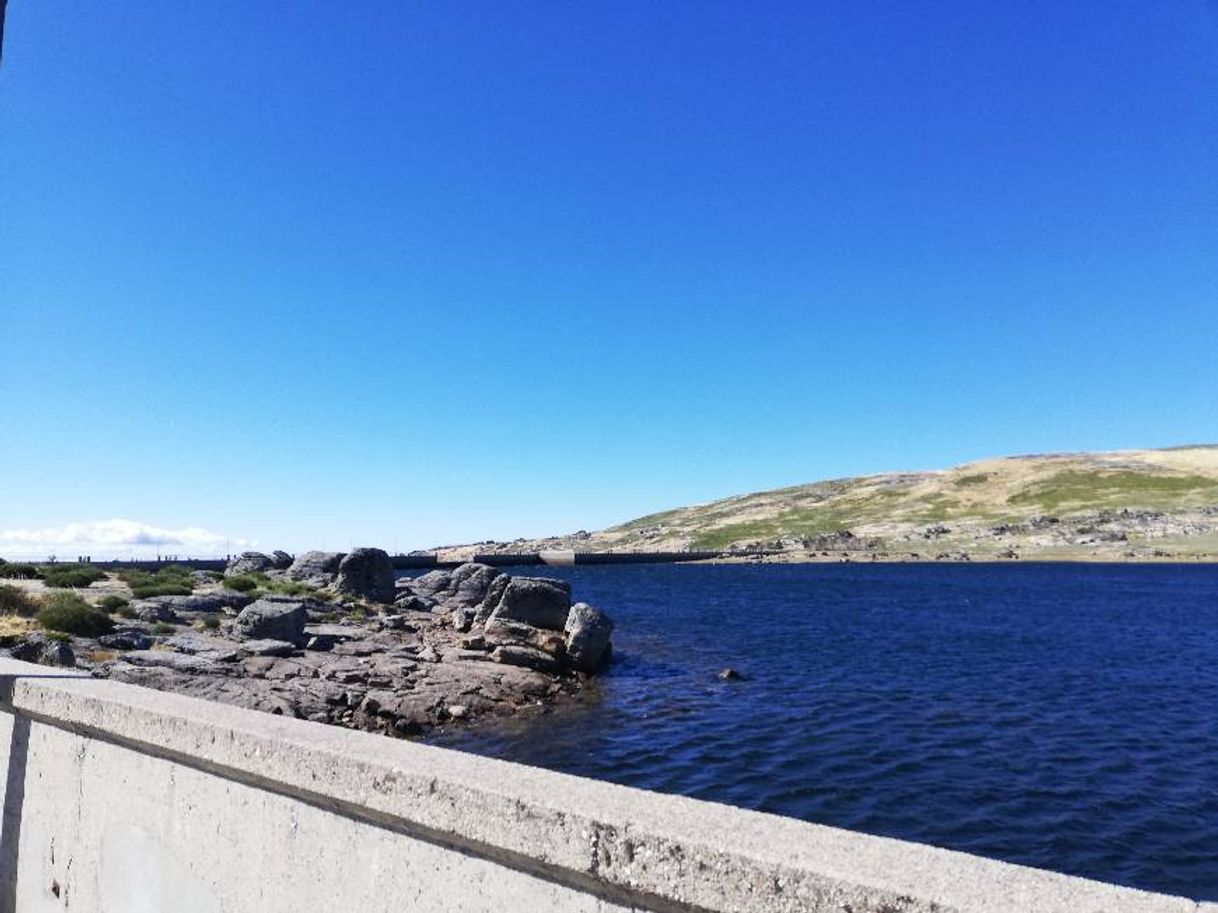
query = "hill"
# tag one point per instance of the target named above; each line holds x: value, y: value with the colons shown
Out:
x: 1129, y: 504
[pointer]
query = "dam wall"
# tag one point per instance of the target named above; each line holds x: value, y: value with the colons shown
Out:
x: 120, y: 798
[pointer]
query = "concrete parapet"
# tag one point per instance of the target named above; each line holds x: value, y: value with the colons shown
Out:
x: 122, y: 798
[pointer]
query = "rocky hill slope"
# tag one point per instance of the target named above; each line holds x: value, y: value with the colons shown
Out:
x: 1129, y: 504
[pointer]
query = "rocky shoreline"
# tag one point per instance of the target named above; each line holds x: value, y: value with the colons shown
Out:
x: 350, y: 645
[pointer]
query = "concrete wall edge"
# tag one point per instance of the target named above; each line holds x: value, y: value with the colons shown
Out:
x: 657, y: 852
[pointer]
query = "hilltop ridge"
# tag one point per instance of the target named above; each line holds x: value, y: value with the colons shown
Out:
x: 1126, y: 505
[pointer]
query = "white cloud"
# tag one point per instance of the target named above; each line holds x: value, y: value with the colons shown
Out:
x: 115, y: 539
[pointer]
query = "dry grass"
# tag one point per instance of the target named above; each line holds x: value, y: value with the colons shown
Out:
x: 15, y: 625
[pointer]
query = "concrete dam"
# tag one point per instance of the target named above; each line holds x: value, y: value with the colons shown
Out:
x: 121, y: 798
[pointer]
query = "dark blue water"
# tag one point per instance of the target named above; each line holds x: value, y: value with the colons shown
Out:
x: 1061, y: 716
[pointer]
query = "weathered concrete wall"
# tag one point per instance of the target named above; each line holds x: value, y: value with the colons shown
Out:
x: 118, y: 798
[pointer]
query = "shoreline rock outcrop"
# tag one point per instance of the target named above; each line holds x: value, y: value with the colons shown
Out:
x: 362, y: 650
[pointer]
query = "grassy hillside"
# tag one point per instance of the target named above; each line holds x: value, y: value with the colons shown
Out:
x: 990, y: 492
x: 1124, y: 504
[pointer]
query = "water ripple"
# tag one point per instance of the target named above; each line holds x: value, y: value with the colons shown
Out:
x: 1057, y: 716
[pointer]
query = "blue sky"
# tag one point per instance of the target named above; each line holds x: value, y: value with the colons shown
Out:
x: 320, y: 274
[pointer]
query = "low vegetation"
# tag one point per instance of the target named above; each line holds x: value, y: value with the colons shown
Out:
x: 16, y: 601
x: 112, y: 603
x: 20, y: 571
x: 171, y: 580
x: 1119, y: 487
x: 71, y: 576
x: 14, y: 627
x: 258, y: 584
x: 894, y: 510
x: 70, y: 614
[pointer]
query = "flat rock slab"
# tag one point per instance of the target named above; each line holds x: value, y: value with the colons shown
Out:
x: 190, y: 642
x: 529, y: 657
x: 181, y: 662
x: 357, y: 648
x: 337, y: 631
x: 126, y: 639
x: 268, y: 648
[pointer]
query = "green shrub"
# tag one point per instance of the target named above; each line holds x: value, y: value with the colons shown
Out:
x: 70, y: 614
x: 160, y: 589
x: 242, y: 583
x: 211, y: 622
x: 125, y: 611
x: 111, y: 603
x: 16, y: 601
x: 19, y: 571
x: 290, y: 588
x: 70, y: 576
x: 172, y: 580
x: 162, y: 628
x: 59, y: 636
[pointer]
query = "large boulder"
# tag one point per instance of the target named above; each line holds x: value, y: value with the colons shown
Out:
x: 273, y: 618
x: 588, y: 632
x: 466, y: 587
x: 249, y: 563
x: 38, y: 648
x: 315, y: 568
x: 367, y: 573
x: 147, y: 610
x: 281, y: 560
x: 432, y: 585
x: 542, y: 602
x: 469, y: 585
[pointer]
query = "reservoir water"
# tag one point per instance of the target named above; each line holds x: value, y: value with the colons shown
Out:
x: 1061, y: 716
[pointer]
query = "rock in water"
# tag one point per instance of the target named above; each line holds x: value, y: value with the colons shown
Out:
x: 588, y: 631
x: 250, y: 563
x: 315, y: 568
x: 273, y: 618
x: 367, y: 573
x: 542, y: 602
